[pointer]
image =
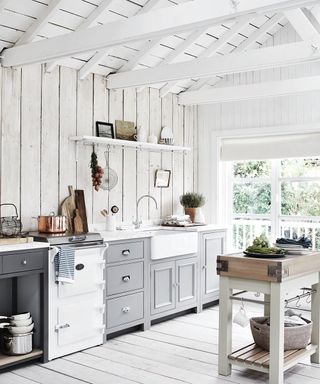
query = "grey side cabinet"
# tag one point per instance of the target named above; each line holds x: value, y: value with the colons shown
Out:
x: 211, y: 245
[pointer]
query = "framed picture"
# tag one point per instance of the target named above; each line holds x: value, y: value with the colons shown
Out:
x: 125, y: 130
x: 162, y: 178
x: 104, y: 129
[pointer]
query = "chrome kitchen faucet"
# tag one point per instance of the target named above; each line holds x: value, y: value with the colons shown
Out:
x: 137, y: 222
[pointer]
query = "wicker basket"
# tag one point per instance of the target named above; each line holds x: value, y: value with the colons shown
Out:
x: 294, y: 337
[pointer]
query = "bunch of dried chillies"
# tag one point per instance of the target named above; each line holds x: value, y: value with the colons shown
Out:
x: 96, y: 171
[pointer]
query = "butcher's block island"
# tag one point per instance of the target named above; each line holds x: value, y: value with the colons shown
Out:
x: 274, y: 277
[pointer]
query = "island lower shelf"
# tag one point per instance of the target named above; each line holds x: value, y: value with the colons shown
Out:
x: 252, y: 356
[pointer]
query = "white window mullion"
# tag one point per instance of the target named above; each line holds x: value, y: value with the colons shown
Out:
x: 275, y: 199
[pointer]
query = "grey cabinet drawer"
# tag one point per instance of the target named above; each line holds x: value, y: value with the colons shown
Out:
x: 22, y: 261
x: 0, y: 264
x: 124, y: 278
x: 124, y: 309
x: 125, y: 251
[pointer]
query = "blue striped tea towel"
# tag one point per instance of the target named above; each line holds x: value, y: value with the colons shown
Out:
x: 64, y: 265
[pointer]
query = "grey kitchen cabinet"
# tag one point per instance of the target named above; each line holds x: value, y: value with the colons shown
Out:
x: 24, y: 288
x: 173, y: 286
x: 212, y: 244
x: 163, y: 287
x: 127, y: 285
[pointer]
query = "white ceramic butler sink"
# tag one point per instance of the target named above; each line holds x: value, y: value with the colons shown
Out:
x: 166, y: 243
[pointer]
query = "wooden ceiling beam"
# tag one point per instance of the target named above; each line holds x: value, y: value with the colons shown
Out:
x: 251, y: 91
x: 246, y: 44
x: 37, y: 25
x: 215, y: 46
x: 183, y: 17
x: 256, y: 59
x: 89, y: 66
x: 87, y: 23
x: 301, y: 24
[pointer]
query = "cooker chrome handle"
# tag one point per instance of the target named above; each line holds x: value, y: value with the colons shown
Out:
x: 126, y: 309
x: 63, y: 326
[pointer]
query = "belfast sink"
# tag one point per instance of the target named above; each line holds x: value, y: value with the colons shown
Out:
x: 166, y: 243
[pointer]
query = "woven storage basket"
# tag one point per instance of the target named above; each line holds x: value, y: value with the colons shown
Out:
x: 294, y: 337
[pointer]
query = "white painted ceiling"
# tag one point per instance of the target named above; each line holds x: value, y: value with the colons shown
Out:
x: 17, y: 16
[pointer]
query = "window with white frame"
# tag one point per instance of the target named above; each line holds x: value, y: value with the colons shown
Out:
x: 276, y: 198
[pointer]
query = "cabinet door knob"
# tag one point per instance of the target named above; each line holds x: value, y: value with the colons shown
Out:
x: 24, y: 262
x: 126, y: 309
x: 126, y: 278
x: 204, y: 267
x: 126, y: 252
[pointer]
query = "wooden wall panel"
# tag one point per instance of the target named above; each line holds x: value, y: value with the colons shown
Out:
x: 154, y: 157
x: 143, y: 156
x: 129, y: 179
x: 49, y: 179
x: 85, y: 127
x: 30, y: 143
x: 116, y: 154
x: 38, y: 161
x: 100, y: 113
x: 167, y: 157
x: 10, y: 165
x: 68, y: 127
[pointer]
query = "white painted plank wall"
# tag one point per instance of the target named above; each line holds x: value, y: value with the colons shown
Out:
x: 38, y: 113
x: 288, y: 110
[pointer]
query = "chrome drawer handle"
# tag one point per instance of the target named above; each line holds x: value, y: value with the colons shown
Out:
x: 126, y: 252
x: 126, y: 309
x: 24, y: 262
x: 64, y: 326
x: 126, y: 278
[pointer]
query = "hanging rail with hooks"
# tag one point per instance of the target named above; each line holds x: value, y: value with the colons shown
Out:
x: 306, y: 293
x: 104, y: 141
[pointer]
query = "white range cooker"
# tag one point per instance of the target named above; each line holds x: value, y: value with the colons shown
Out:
x: 76, y: 311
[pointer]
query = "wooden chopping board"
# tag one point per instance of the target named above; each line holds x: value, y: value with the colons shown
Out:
x: 81, y: 207
x: 15, y: 240
x: 77, y: 222
x: 68, y: 209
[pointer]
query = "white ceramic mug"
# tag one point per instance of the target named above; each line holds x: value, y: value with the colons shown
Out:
x: 141, y: 134
x: 110, y: 223
x: 152, y: 139
x: 241, y: 318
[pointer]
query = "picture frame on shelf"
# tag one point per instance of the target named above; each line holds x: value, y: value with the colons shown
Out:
x: 104, y: 129
x: 162, y: 178
x: 125, y: 130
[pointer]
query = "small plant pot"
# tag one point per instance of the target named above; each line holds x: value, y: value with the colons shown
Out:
x: 191, y: 212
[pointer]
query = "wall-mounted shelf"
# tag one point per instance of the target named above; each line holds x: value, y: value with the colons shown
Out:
x: 104, y: 141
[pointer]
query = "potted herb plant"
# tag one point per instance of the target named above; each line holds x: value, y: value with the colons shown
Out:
x: 192, y: 203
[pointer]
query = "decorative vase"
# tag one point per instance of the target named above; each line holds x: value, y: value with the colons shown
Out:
x: 191, y: 212
x: 199, y: 216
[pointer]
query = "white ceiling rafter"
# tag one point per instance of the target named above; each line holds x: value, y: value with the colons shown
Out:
x: 301, y: 24
x: 215, y: 46
x: 87, y: 23
x: 251, y: 91
x: 181, y: 48
x: 162, y: 22
x: 255, y: 59
x: 246, y: 44
x: 98, y: 56
x: 3, y: 4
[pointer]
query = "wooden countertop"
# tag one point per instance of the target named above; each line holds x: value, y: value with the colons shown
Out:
x: 267, y: 269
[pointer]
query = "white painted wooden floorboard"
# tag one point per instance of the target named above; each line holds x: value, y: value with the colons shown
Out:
x: 42, y: 375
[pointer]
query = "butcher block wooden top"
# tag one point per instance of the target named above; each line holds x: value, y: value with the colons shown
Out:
x: 267, y: 269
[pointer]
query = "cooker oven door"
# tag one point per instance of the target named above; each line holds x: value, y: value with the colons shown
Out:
x: 76, y: 311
